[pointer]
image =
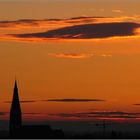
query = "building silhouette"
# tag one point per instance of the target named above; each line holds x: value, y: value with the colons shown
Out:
x: 15, y: 112
x: 17, y: 130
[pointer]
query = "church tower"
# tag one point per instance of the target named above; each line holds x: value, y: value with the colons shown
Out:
x: 15, y: 113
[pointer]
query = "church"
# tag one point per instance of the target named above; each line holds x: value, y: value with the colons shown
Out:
x: 18, y: 130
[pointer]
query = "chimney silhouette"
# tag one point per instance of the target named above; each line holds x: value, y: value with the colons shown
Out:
x: 15, y: 113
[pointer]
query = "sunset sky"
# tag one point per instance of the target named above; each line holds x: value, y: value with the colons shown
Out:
x: 73, y: 59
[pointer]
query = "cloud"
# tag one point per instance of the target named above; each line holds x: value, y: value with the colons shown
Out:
x: 100, y: 115
x: 45, y: 29
x: 71, y: 55
x: 24, y: 101
x: 28, y: 101
x: 30, y: 23
x: 45, y: 23
x: 32, y: 113
x: 105, y: 55
x: 78, y: 55
x: 22, y: 24
x: 111, y: 113
x: 87, y: 31
x: 42, y: 30
x: 75, y: 100
x: 117, y: 11
x: 137, y: 104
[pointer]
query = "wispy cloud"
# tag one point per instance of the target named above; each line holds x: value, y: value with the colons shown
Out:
x: 24, y: 113
x: 53, y: 23
x: 74, y: 100
x: 105, y: 55
x: 78, y: 55
x: 24, y: 101
x: 71, y: 55
x: 117, y: 11
x: 100, y: 115
x: 33, y: 113
x: 60, y: 100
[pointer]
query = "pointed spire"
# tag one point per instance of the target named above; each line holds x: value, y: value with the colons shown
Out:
x: 15, y: 86
x: 15, y: 112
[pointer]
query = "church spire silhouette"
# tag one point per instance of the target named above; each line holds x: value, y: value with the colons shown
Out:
x: 15, y: 112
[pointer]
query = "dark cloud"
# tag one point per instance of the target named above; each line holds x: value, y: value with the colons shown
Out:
x: 99, y: 114
x: 137, y: 104
x: 6, y: 24
x: 60, y: 100
x: 38, y: 22
x: 32, y: 22
x: 32, y: 113
x: 116, y: 116
x: 68, y: 115
x: 74, y: 100
x: 28, y: 101
x: 24, y: 101
x: 111, y: 112
x: 87, y: 31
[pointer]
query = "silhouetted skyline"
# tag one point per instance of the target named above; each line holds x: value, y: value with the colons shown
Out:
x: 18, y: 130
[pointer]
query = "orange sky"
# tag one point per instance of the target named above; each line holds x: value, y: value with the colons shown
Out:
x: 63, y: 68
